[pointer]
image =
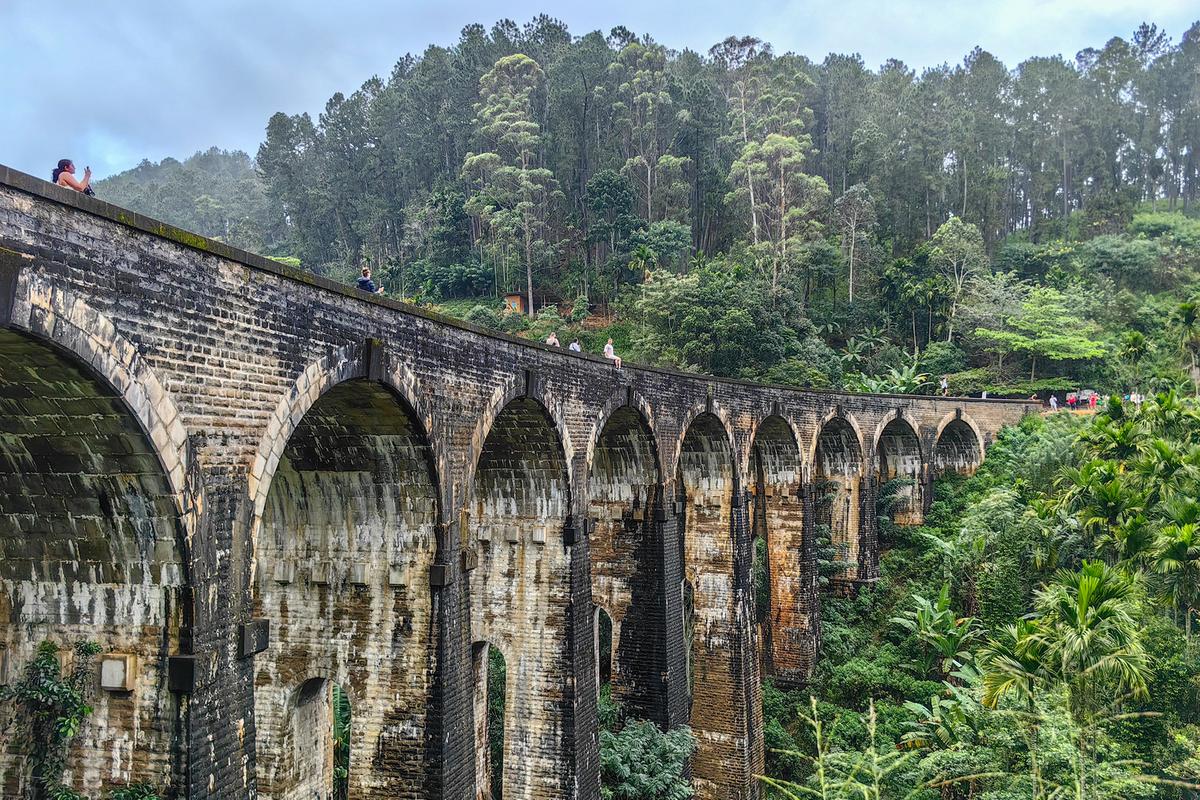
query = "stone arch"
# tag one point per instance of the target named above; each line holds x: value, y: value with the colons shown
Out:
x: 57, y: 316
x: 346, y: 536
x: 624, y: 499
x: 604, y: 654
x: 520, y: 589
x: 502, y: 397
x: 787, y: 630
x: 958, y: 445
x: 95, y: 511
x: 348, y: 362
x: 726, y: 423
x: 898, y: 457
x: 837, y: 459
x: 706, y: 491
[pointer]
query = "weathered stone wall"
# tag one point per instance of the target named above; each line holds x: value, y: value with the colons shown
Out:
x: 898, y: 456
x: 217, y: 357
x: 342, y: 560
x: 624, y: 491
x: 520, y: 594
x: 89, y: 535
x: 788, y: 639
x: 839, y: 474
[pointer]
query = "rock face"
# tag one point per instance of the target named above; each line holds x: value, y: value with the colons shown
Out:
x: 262, y: 485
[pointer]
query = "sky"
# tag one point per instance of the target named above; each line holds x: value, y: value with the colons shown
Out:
x: 110, y: 82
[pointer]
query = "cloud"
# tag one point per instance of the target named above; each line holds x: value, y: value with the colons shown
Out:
x: 110, y: 82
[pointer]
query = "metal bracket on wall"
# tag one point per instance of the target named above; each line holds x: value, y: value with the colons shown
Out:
x: 253, y: 637
x: 439, y: 575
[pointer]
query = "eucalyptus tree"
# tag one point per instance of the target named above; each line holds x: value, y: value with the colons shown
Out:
x: 514, y: 192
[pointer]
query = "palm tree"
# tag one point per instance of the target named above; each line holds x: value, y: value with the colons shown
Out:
x: 1090, y: 634
x: 1014, y: 663
x: 1103, y: 501
x: 1133, y: 349
x: 1178, y: 564
x: 1091, y: 641
x: 1187, y: 322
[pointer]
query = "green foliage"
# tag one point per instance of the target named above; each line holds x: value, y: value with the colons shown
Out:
x: 1079, y: 679
x: 497, y: 683
x: 642, y: 763
x: 946, y: 639
x: 341, y: 743
x: 136, y: 791
x: 50, y: 709
x: 214, y: 193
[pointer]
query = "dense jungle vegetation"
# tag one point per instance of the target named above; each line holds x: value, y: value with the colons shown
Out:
x: 748, y: 213
x: 1026, y: 229
x: 1033, y: 639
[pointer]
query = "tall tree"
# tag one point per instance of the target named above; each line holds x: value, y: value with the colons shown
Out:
x: 959, y: 255
x: 514, y: 192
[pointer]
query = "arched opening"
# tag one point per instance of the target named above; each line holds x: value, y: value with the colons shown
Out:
x: 341, y: 572
x: 625, y: 546
x: 90, y: 537
x: 317, y: 738
x: 957, y: 449
x: 708, y: 599
x: 490, y: 699
x: 901, y: 473
x: 785, y: 578
x: 521, y: 591
x: 837, y: 497
x: 602, y: 628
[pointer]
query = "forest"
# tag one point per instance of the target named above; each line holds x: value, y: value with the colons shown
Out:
x: 1022, y: 230
x: 741, y: 212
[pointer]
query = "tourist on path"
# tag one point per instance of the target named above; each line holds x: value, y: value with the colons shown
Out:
x: 366, y: 284
x: 610, y: 354
x: 552, y: 339
x: 574, y: 347
x: 1053, y: 402
x: 945, y: 385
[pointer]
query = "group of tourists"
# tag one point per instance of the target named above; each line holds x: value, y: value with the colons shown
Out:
x: 575, y: 347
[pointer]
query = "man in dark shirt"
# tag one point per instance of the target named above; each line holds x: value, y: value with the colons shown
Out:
x: 366, y: 284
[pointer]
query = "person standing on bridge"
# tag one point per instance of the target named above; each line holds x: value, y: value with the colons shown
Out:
x: 574, y: 346
x: 945, y: 385
x: 366, y: 284
x: 611, y: 355
x: 64, y: 175
x: 552, y: 339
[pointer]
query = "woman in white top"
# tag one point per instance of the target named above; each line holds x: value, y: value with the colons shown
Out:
x: 609, y: 354
x: 64, y: 175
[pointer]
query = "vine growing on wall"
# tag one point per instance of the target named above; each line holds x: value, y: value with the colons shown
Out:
x: 50, y: 709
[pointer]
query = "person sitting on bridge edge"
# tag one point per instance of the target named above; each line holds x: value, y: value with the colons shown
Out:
x: 552, y: 339
x: 366, y: 284
x: 574, y: 346
x: 611, y: 355
x: 64, y: 175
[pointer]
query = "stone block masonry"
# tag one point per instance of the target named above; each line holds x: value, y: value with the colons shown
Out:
x: 199, y: 446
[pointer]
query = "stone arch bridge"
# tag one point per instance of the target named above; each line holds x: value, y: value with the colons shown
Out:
x: 249, y: 484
